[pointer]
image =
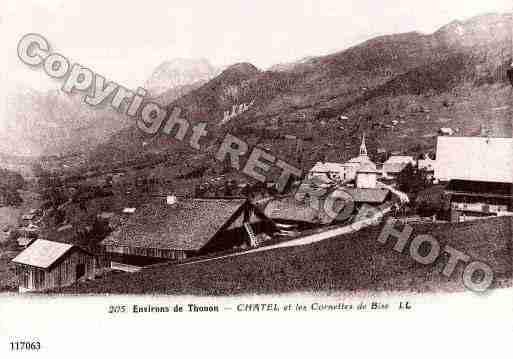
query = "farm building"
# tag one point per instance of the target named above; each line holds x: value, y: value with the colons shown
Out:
x: 479, y: 172
x: 468, y: 200
x: 45, y: 264
x: 474, y: 159
x: 159, y: 231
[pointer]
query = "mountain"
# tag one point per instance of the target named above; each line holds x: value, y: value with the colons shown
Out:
x: 398, y: 89
x: 55, y: 123
x: 50, y: 123
x: 177, y: 73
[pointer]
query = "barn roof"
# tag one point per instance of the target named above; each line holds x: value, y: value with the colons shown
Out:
x: 474, y: 159
x: 42, y: 253
x: 186, y: 225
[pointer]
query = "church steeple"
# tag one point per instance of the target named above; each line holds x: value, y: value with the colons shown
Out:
x: 363, y: 148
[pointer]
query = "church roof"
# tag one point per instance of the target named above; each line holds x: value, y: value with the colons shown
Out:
x: 368, y: 167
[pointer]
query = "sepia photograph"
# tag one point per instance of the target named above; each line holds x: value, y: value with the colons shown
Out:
x: 184, y: 172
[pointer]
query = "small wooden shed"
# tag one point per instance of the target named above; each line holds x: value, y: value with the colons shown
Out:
x: 47, y: 264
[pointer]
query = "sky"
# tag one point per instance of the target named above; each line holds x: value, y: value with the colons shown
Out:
x: 125, y: 41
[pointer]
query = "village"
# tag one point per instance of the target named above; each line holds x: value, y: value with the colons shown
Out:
x: 81, y: 233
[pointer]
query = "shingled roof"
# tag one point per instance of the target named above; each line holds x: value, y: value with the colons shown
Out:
x: 188, y: 225
x: 290, y: 209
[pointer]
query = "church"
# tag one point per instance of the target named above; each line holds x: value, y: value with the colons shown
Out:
x: 360, y: 169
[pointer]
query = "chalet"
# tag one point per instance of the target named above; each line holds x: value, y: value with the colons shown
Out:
x: 469, y: 200
x: 46, y: 264
x: 479, y: 175
x: 159, y: 231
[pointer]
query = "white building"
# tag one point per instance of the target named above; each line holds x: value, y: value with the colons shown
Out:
x: 479, y: 172
x: 367, y: 175
x: 474, y: 159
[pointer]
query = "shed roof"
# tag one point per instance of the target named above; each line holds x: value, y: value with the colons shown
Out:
x: 42, y: 253
x: 186, y: 225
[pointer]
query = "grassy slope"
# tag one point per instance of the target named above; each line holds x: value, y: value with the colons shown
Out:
x: 349, y: 263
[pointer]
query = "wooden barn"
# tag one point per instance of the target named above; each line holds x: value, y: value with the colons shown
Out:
x: 160, y: 231
x: 46, y: 264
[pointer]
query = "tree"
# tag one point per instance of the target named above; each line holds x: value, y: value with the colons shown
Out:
x: 411, y: 179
